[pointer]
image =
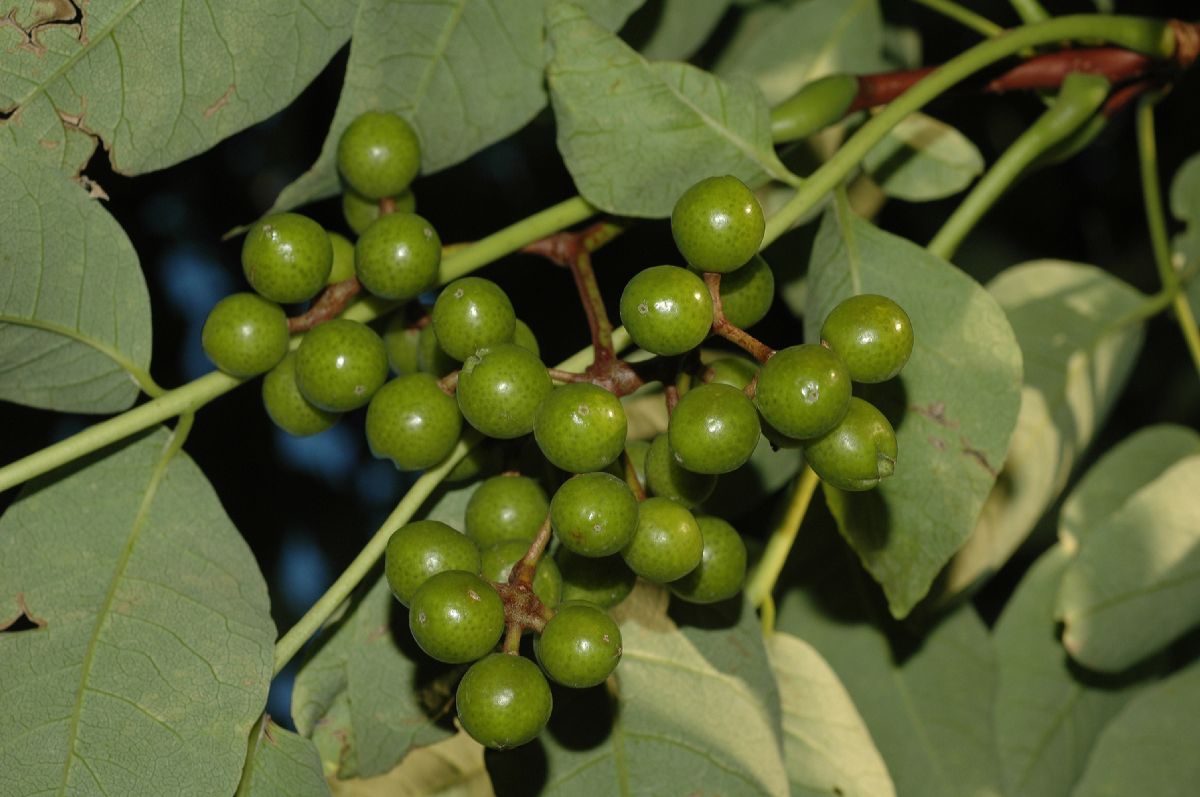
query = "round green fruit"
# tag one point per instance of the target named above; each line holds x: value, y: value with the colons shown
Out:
x: 722, y: 569
x: 398, y: 256
x: 714, y: 429
x: 503, y: 701
x: 718, y: 224
x: 667, y: 544
x: 361, y: 212
x: 856, y: 454
x: 340, y: 364
x: 523, y: 336
x: 746, y: 294
x: 412, y: 422
x: 500, y: 388
x: 873, y: 336
x: 666, y: 310
x: 803, y: 391
x: 287, y: 257
x: 499, y: 560
x: 286, y: 405
x: 580, y: 427
x: 245, y: 335
x: 400, y: 339
x: 431, y: 358
x: 594, y: 514
x: 422, y: 549
x: 456, y: 616
x: 471, y: 313
x: 343, y: 259
x: 666, y: 478
x: 378, y: 155
x: 506, y: 508
x: 736, y: 371
x: 481, y: 460
x: 580, y: 646
x: 604, y: 581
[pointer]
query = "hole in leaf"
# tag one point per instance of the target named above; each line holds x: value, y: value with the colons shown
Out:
x: 24, y: 621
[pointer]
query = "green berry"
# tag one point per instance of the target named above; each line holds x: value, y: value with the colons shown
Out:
x: 803, y: 391
x: 343, y: 259
x: 667, y: 544
x: 594, y: 514
x: 718, y: 224
x: 245, y: 335
x: 856, y: 454
x: 722, y: 569
x: 815, y: 106
x: 423, y: 549
x: 746, y: 294
x: 398, y: 256
x: 400, y: 339
x: 361, y: 212
x: 413, y: 422
x: 499, y: 560
x: 580, y: 427
x: 503, y: 701
x: 378, y: 154
x: 471, y: 313
x: 666, y: 310
x: 287, y: 406
x: 523, y: 336
x: 736, y: 371
x: 872, y: 334
x: 456, y: 616
x: 580, y: 646
x: 604, y: 581
x: 287, y: 257
x: 666, y: 478
x: 506, y: 508
x: 482, y: 459
x: 431, y: 358
x: 714, y: 429
x: 500, y: 388
x: 340, y: 364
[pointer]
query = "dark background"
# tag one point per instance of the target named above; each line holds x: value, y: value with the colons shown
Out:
x: 307, y: 505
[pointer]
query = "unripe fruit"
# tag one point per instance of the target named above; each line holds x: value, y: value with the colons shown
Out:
x: 714, y: 429
x: 718, y: 224
x: 343, y: 259
x: 286, y: 405
x: 722, y: 569
x: 506, y: 508
x: 746, y: 294
x: 430, y: 357
x: 398, y: 256
x: 857, y: 453
x: 340, y: 364
x: 667, y: 310
x: 422, y: 549
x: 580, y: 646
x: 523, y: 336
x: 594, y: 514
x: 605, y: 581
x: 471, y: 313
x: 872, y: 334
x: 667, y: 544
x: 580, y: 427
x: 666, y: 478
x: 481, y: 460
x: 456, y: 616
x: 412, y: 422
x: 378, y: 154
x: 503, y: 701
x: 361, y: 212
x: 736, y: 371
x: 500, y: 388
x: 245, y: 335
x: 499, y: 560
x: 814, y: 107
x: 287, y: 257
x: 400, y: 340
x: 803, y: 391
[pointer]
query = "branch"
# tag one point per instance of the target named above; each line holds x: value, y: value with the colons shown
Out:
x: 736, y: 335
x: 329, y: 304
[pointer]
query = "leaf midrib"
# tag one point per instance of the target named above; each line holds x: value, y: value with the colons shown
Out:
x: 126, y: 364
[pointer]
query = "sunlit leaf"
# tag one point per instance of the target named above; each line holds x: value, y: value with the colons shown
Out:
x: 922, y: 159
x: 682, y: 26
x: 451, y: 768
x: 281, y: 764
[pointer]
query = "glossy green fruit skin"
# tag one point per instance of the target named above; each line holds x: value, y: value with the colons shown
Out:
x: 735, y: 371
x: 431, y: 358
x: 245, y: 335
x: 666, y: 310
x: 523, y: 336
x: 412, y: 422
x: 499, y: 560
x: 718, y: 224
x: 506, y: 508
x: 580, y: 427
x: 722, y: 569
x: 580, y: 646
x: 814, y: 107
x: 398, y: 256
x: 803, y: 391
x: 456, y: 616
x: 471, y: 313
x: 873, y: 336
x: 378, y: 155
x: 604, y: 581
x: 594, y: 514
x: 666, y: 478
x: 500, y: 388
x: 503, y: 701
x: 714, y: 429
x: 286, y: 405
x: 343, y: 259
x: 340, y: 364
x: 667, y: 544
x: 856, y: 454
x: 361, y: 212
x: 400, y: 339
x: 746, y: 294
x: 422, y: 549
x: 287, y: 257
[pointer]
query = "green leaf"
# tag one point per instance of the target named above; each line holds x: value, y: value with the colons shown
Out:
x: 784, y: 47
x: 155, y: 83
x: 683, y: 26
x: 636, y: 135
x: 1185, y: 206
x: 154, y: 647
x: 1134, y: 586
x: 922, y: 159
x: 281, y: 764
x: 75, y: 313
x: 1047, y: 718
x: 1150, y: 747
x: 451, y: 768
x: 1076, y: 365
x: 826, y: 745
x: 368, y: 693
x: 953, y: 407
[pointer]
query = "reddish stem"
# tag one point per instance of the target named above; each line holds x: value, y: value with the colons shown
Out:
x: 567, y: 376
x: 522, y: 572
x: 736, y: 335
x: 387, y: 205
x: 329, y: 305
x: 449, y: 383
x: 631, y: 478
x: 671, y: 392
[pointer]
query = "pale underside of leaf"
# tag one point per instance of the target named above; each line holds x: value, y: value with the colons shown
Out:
x: 281, y: 764
x: 922, y: 159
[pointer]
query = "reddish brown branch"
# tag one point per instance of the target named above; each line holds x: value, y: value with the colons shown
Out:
x: 449, y: 383
x: 522, y: 572
x: 328, y: 305
x: 736, y: 335
x: 559, y: 375
x: 387, y: 205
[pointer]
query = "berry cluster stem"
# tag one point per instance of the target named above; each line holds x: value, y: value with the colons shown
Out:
x: 736, y: 335
x: 522, y: 572
x: 329, y: 304
x: 761, y: 582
